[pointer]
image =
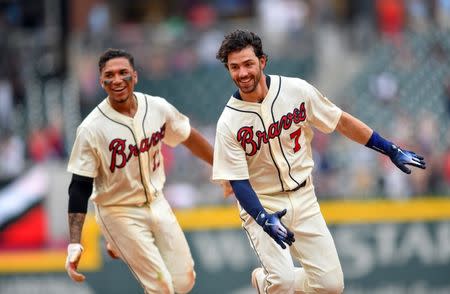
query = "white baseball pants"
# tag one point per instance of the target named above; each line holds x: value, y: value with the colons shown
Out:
x: 150, y: 241
x: 313, y: 248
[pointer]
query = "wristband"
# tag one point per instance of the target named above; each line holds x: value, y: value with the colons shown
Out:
x: 378, y: 143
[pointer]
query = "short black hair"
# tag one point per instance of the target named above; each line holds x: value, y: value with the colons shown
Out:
x: 112, y: 53
x: 238, y: 40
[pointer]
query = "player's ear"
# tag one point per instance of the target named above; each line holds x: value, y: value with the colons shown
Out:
x: 135, y: 74
x: 101, y: 83
x: 263, y: 61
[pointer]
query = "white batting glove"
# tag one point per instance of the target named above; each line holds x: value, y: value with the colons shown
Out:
x: 74, y: 251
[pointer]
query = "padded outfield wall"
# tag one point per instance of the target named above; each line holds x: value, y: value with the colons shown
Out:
x: 384, y: 246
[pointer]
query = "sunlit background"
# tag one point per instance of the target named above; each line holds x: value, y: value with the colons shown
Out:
x: 384, y: 61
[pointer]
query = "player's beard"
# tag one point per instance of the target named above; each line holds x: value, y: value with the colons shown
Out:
x: 119, y: 99
x: 252, y: 86
x: 123, y: 100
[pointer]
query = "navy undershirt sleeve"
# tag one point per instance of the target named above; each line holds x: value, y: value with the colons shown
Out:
x: 80, y: 189
x: 247, y: 197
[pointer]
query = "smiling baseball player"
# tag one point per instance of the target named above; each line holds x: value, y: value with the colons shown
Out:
x: 117, y: 158
x: 263, y: 146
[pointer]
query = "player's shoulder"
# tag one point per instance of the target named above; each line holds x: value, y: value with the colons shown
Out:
x: 93, y: 118
x: 149, y: 97
x: 152, y: 100
x: 233, y: 104
x: 293, y: 81
x: 223, y: 116
x: 223, y: 123
x: 90, y: 123
x: 297, y: 85
x: 232, y: 113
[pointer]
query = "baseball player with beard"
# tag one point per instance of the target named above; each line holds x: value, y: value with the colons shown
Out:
x: 117, y: 158
x: 263, y: 147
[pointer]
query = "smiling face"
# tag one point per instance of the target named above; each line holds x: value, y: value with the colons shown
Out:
x: 246, y: 69
x: 118, y: 78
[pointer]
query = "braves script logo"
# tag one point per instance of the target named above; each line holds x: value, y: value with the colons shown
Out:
x: 246, y: 136
x: 120, y: 154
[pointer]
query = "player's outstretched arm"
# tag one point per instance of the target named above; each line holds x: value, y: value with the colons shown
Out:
x: 80, y: 190
x: 270, y: 222
x: 199, y: 146
x: 358, y: 131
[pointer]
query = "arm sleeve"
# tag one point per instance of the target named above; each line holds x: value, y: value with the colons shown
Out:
x: 229, y: 158
x: 177, y: 126
x: 380, y: 144
x: 247, y: 197
x: 322, y: 113
x: 80, y: 189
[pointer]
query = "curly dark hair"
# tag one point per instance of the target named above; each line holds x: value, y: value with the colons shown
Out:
x: 238, y: 40
x: 112, y: 53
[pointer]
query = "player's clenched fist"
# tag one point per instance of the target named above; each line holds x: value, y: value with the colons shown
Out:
x: 74, y: 251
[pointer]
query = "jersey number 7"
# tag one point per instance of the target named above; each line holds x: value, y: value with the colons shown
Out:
x: 295, y: 135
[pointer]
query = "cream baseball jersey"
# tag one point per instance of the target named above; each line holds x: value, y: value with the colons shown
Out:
x: 123, y: 154
x: 269, y: 143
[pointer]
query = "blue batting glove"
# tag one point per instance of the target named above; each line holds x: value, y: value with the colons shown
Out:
x: 272, y: 225
x: 401, y: 158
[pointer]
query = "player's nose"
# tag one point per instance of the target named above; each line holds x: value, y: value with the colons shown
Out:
x: 117, y: 79
x: 243, y: 73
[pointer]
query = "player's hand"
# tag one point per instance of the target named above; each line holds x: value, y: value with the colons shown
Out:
x: 401, y: 158
x: 111, y: 252
x: 227, y: 189
x: 272, y: 225
x: 74, y: 251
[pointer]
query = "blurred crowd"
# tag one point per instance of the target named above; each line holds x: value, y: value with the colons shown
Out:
x: 177, y: 38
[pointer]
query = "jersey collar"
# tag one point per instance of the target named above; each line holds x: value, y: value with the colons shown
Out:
x: 112, y: 113
x: 273, y: 83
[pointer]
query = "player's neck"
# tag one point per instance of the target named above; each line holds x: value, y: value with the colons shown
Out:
x: 128, y: 107
x: 258, y: 95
